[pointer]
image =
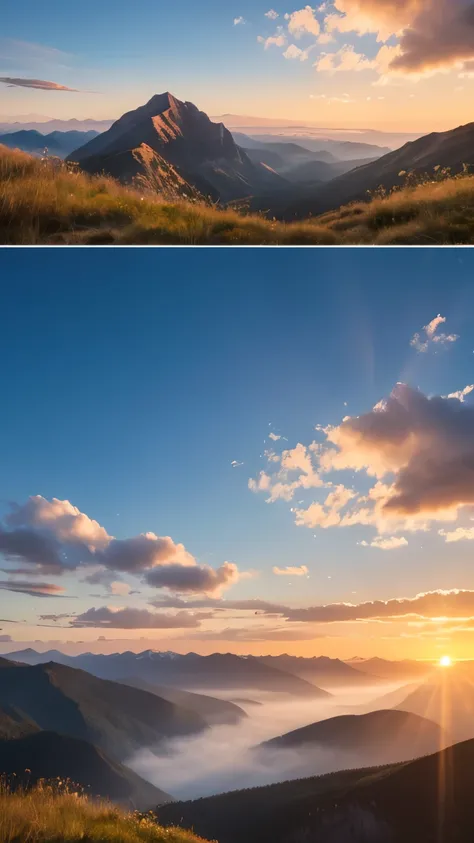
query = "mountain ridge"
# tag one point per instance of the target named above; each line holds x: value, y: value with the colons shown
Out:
x: 189, y: 672
x: 49, y: 755
x: 203, y: 153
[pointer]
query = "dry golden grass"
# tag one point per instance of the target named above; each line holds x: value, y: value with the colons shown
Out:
x: 45, y: 815
x: 43, y: 202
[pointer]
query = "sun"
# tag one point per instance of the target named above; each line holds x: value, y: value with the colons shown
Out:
x: 445, y: 661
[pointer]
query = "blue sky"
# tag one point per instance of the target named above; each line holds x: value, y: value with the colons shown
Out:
x: 118, y: 54
x: 133, y: 379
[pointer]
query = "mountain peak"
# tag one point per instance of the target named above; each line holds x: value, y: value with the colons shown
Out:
x: 162, y: 102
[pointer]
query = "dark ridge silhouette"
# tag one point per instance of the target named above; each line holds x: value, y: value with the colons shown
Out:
x: 117, y: 718
x: 428, y: 800
x: 47, y: 755
x: 382, y: 736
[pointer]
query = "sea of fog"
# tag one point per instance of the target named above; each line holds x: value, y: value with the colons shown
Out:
x: 222, y: 758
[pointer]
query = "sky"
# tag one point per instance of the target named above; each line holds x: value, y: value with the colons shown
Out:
x: 404, y: 65
x: 266, y: 454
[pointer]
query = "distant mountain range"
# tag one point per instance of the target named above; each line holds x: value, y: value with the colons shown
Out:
x: 56, y: 143
x: 299, y: 130
x: 414, y: 802
x: 48, y: 755
x: 440, y: 149
x: 188, y: 672
x: 402, y: 670
x: 321, y: 670
x: 320, y: 147
x: 46, y: 125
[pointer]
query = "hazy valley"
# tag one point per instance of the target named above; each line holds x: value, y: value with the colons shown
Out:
x: 149, y: 728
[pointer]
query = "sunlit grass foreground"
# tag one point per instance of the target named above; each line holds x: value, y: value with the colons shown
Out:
x: 45, y: 202
x: 52, y: 813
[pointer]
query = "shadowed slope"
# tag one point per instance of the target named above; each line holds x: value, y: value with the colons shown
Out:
x: 202, y: 153
x: 47, y: 755
x: 117, y: 718
x: 383, y: 736
x: 440, y: 149
x: 214, y: 711
x: 423, y: 801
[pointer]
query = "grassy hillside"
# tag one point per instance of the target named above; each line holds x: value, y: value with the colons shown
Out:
x: 44, y: 815
x: 47, y: 202
x: 47, y: 755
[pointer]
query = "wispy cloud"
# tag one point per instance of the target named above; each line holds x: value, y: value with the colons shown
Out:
x: 391, y: 543
x: 291, y: 571
x: 29, y: 54
x: 34, y: 589
x: 37, y: 84
x: 240, y: 21
x: 111, y: 618
x: 429, y: 337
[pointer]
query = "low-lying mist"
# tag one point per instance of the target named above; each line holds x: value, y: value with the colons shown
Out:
x: 222, y: 758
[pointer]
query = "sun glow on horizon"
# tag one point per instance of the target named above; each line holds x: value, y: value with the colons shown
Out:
x: 445, y: 661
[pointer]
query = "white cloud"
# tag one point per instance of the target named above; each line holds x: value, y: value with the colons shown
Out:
x: 277, y: 40
x: 294, y: 52
x: 239, y: 21
x: 344, y: 60
x: 303, y: 22
x: 271, y: 456
x: 460, y: 394
x: 262, y: 484
x: 423, y: 341
x: 291, y: 571
x: 458, y: 535
x: 56, y: 537
x: 272, y: 14
x: 391, y: 543
x: 345, y: 100
x: 274, y: 437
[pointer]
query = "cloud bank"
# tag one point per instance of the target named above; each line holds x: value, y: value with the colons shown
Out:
x: 56, y: 537
x: 430, y: 35
x: 417, y: 452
